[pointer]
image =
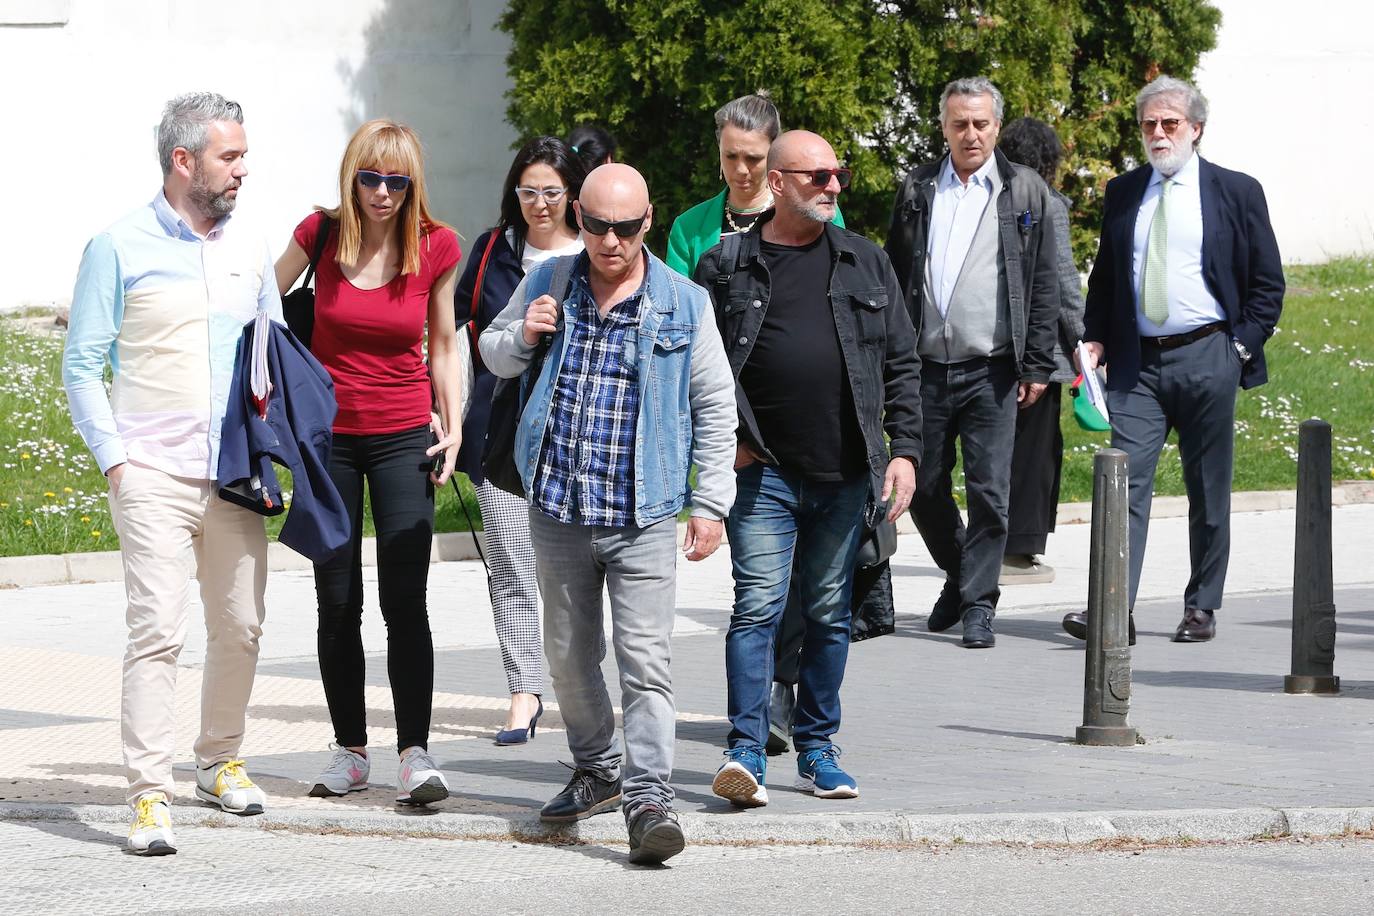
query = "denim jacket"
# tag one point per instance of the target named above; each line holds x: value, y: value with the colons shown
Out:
x: 686, y: 392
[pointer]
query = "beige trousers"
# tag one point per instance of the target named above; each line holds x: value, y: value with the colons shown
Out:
x: 171, y: 528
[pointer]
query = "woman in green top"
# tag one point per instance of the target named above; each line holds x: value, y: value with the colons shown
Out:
x: 745, y: 128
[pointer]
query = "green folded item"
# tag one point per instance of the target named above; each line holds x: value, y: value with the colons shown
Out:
x: 1088, y: 416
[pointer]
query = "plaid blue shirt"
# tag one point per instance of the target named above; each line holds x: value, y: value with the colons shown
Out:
x: 586, y: 471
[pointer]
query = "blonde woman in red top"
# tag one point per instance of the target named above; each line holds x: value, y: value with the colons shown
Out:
x: 385, y: 277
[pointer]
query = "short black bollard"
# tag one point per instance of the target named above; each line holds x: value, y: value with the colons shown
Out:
x: 1314, y: 606
x: 1107, y: 678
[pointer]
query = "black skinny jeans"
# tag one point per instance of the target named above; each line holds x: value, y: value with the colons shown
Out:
x: 397, y: 474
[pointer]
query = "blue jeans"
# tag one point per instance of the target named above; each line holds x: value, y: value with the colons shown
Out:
x: 788, y: 532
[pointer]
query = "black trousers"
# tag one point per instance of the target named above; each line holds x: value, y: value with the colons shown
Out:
x: 396, y: 472
x: 1037, y: 460
x: 973, y: 402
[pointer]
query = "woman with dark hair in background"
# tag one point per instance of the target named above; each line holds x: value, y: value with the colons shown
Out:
x: 1038, y: 455
x: 592, y: 145
x: 383, y: 295
x: 536, y: 223
x: 745, y: 128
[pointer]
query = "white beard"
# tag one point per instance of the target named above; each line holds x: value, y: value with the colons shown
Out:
x: 1168, y: 163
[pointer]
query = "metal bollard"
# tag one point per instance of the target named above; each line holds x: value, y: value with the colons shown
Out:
x: 1107, y: 676
x: 1314, y: 607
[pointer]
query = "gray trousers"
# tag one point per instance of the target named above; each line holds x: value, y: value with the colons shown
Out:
x: 1191, y: 389
x: 638, y: 568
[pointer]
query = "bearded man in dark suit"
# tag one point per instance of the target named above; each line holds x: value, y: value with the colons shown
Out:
x: 1186, y: 288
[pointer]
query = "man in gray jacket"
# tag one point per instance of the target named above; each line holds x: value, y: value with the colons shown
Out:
x: 634, y: 390
x: 971, y: 245
x: 1038, y: 458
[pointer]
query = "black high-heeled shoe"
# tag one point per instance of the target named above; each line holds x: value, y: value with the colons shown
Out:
x: 509, y: 736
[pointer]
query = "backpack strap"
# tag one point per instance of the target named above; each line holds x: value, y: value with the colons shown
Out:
x: 562, y: 277
x: 729, y: 263
x: 322, y: 236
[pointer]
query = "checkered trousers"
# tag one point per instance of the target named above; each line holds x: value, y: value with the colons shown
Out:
x: 513, y: 587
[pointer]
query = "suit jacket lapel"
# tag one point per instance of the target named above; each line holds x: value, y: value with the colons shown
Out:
x: 1210, y: 191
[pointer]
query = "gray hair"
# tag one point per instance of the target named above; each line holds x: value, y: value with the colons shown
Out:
x: 185, y: 123
x: 972, y: 85
x: 1194, y: 103
x: 755, y: 111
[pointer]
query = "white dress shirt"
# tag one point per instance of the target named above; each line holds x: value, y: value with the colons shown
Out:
x: 954, y: 217
x: 1190, y: 302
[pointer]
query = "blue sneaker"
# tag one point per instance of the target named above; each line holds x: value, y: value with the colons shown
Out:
x: 818, y: 772
x: 740, y: 779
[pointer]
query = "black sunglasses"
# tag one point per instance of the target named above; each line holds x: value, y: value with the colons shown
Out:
x: 623, y: 229
x: 394, y: 183
x: 820, y: 178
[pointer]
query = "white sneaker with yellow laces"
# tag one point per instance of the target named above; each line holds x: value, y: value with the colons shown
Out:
x: 151, y: 832
x: 227, y: 785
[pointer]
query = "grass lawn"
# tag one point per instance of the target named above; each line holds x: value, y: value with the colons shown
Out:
x: 1321, y: 364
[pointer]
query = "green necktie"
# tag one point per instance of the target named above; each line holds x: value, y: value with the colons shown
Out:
x: 1154, y: 292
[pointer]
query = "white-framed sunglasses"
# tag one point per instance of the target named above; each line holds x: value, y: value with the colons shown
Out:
x: 550, y: 195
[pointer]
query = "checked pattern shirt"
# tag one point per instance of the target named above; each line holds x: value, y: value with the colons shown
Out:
x: 586, y: 470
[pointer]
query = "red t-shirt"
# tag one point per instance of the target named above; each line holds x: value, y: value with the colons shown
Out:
x: 370, y: 339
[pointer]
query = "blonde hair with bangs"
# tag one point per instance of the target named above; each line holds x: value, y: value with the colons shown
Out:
x: 384, y: 146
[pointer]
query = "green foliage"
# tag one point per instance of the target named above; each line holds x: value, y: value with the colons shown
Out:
x: 865, y: 74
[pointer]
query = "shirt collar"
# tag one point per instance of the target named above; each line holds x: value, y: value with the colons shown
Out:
x: 1186, y: 175
x: 983, y: 176
x: 172, y: 222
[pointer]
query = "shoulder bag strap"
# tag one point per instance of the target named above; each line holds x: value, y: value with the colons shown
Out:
x: 477, y: 297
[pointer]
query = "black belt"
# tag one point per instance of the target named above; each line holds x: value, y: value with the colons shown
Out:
x: 1177, y: 340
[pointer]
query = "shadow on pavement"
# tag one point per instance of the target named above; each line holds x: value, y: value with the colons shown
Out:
x: 1029, y: 736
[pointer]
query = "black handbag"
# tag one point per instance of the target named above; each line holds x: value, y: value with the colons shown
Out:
x: 298, y: 306
x: 509, y: 397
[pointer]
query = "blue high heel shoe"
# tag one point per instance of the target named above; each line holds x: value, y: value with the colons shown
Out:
x: 521, y: 735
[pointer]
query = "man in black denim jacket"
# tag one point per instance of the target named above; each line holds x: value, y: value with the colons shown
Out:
x: 824, y: 361
x: 972, y: 246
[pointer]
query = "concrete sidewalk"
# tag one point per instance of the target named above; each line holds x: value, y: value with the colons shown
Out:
x: 946, y: 743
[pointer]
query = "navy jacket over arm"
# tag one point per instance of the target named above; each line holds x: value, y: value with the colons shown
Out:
x: 1240, y: 265
x: 296, y: 433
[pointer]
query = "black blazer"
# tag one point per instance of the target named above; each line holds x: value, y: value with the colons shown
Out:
x: 1240, y: 265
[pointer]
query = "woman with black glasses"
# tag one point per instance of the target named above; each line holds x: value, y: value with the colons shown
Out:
x: 536, y: 223
x: 385, y: 277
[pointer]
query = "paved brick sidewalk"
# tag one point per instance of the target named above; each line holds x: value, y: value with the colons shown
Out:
x: 929, y: 728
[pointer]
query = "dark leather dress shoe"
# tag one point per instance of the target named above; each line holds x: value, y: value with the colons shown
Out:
x: 978, y: 629
x: 945, y: 614
x: 1196, y: 626
x: 1076, y: 625
x: 655, y: 835
x: 588, y: 792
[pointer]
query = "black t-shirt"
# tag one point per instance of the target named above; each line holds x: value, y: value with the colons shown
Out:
x: 795, y: 376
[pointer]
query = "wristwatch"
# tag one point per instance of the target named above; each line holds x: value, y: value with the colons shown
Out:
x: 1241, y: 350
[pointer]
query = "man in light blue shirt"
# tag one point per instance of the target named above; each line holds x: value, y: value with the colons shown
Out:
x: 1186, y: 288
x: 163, y: 295
x: 973, y: 249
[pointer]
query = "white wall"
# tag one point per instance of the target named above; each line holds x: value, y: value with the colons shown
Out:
x: 79, y: 103
x: 1289, y: 89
